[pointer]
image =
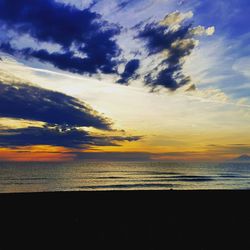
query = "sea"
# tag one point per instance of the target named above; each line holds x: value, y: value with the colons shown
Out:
x: 97, y: 176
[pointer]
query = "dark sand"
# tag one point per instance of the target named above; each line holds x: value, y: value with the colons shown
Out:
x: 126, y: 220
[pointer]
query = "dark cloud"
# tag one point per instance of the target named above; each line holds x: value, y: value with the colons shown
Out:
x: 178, y: 43
x: 33, y: 103
x: 129, y: 71
x: 57, y: 136
x: 67, y: 26
x: 65, y: 61
x: 7, y: 48
x: 159, y: 37
x: 64, y: 116
x: 123, y: 4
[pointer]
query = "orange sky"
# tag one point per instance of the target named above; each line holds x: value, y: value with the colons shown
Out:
x: 60, y: 154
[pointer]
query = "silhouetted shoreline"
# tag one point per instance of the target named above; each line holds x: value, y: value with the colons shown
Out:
x: 122, y: 219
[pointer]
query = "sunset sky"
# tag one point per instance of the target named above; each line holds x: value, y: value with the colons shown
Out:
x: 124, y: 80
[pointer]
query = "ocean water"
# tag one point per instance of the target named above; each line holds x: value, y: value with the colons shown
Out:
x: 91, y: 176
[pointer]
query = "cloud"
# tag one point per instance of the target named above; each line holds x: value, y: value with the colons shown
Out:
x: 10, y: 78
x: 129, y: 71
x: 123, y: 5
x: 31, y: 115
x: 30, y: 102
x: 70, y: 137
x: 77, y: 31
x: 200, y: 30
x: 176, y: 18
x: 242, y: 66
x: 242, y: 101
x: 79, y: 4
x: 173, y: 39
x: 212, y: 94
x: 64, y: 61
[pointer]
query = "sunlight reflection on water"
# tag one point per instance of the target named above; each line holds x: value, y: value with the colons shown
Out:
x: 81, y: 176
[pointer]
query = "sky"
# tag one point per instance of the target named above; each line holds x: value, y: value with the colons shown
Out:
x: 164, y: 80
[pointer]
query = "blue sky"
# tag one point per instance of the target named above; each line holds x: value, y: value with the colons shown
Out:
x: 157, y: 76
